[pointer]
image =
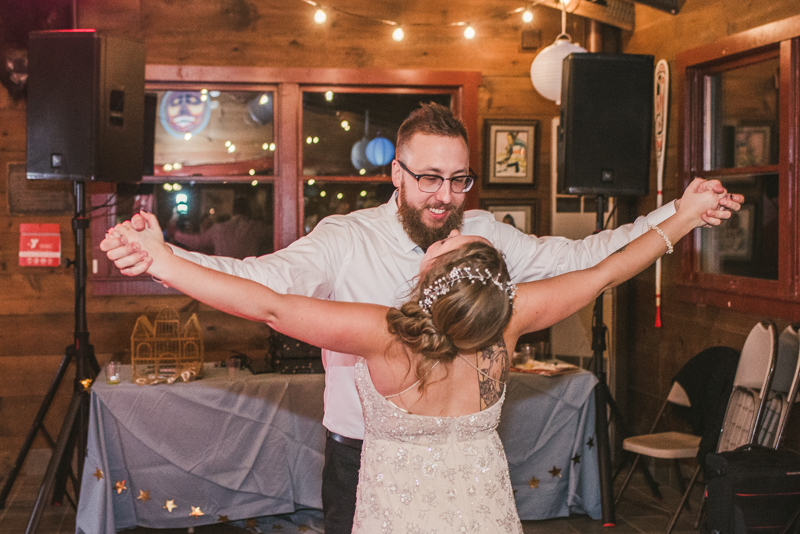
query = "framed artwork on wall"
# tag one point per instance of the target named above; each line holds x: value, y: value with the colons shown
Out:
x: 510, y: 152
x: 521, y: 214
x: 752, y: 146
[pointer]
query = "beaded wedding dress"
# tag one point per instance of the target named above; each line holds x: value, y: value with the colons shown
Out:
x: 431, y: 475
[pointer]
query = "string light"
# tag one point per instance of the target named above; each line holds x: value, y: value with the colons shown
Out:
x: 398, y: 34
x: 527, y: 16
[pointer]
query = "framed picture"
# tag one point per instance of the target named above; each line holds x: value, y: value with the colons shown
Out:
x: 510, y: 152
x: 523, y: 215
x: 736, y: 235
x: 751, y: 146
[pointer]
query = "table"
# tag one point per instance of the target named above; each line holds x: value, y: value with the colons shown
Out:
x: 254, y: 446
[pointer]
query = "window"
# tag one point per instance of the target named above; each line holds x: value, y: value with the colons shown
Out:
x: 271, y: 142
x: 742, y: 118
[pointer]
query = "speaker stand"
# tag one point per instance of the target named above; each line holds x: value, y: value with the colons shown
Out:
x: 603, y: 400
x: 73, y: 434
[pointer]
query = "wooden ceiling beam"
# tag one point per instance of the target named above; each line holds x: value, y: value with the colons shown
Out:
x: 618, y: 13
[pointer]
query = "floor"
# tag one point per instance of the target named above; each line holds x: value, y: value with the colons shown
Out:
x: 634, y: 514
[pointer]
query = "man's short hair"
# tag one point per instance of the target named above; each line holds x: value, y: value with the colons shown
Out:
x: 430, y: 119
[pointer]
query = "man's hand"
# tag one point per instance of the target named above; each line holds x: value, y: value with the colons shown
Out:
x: 728, y: 203
x: 128, y: 257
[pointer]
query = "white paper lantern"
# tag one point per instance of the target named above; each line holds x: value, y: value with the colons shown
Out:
x: 546, y: 67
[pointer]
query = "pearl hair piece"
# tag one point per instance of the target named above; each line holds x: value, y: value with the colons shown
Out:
x: 443, y: 285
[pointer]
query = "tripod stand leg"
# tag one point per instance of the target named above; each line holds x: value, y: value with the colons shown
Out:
x: 37, y: 425
x: 55, y: 461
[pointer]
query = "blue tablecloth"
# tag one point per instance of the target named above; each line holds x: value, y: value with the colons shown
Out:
x: 254, y: 446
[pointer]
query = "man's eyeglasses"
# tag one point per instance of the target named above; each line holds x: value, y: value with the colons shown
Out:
x: 431, y: 183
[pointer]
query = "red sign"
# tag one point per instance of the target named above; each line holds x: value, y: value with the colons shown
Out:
x: 39, y: 245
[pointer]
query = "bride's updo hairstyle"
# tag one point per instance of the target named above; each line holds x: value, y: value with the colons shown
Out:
x: 468, y: 304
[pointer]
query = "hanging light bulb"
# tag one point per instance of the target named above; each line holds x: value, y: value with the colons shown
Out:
x: 398, y: 34
x: 469, y: 32
x: 546, y: 66
x: 320, y: 16
x: 527, y: 16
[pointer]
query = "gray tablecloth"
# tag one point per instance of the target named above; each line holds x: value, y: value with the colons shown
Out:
x: 254, y: 446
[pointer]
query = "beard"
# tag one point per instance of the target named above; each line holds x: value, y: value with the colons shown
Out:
x: 421, y: 234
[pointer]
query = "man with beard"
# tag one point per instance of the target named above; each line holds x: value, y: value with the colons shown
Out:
x: 372, y: 256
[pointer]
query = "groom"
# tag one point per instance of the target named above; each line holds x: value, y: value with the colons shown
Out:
x: 370, y: 256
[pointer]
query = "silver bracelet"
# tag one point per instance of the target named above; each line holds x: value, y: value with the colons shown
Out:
x: 660, y: 232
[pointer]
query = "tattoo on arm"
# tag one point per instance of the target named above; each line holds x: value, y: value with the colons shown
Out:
x: 494, y: 363
x: 620, y: 249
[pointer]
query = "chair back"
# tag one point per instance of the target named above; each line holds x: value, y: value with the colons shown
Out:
x: 787, y: 373
x: 748, y: 404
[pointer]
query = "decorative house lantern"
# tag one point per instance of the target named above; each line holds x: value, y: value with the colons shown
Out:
x: 165, y: 351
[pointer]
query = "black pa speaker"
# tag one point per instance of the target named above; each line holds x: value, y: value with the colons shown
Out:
x: 606, y: 123
x: 85, y: 106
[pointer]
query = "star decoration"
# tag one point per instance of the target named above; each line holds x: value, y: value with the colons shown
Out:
x: 170, y: 505
x: 303, y: 528
x: 251, y: 523
x: 576, y: 459
x: 534, y: 482
x: 590, y: 443
x: 120, y: 486
x: 86, y: 383
x: 196, y: 512
x: 223, y: 519
x: 555, y: 471
x: 144, y: 496
x: 98, y: 474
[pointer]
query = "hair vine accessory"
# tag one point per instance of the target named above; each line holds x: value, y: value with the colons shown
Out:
x: 660, y: 232
x: 442, y: 286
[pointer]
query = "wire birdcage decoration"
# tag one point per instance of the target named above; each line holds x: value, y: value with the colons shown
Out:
x: 165, y: 351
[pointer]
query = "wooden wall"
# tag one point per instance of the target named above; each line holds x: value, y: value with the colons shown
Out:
x: 36, y: 304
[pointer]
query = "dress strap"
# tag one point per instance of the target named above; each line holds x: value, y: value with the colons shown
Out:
x: 480, y: 371
x: 412, y: 386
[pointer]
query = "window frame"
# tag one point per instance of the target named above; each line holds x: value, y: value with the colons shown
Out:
x: 288, y: 85
x: 775, y: 298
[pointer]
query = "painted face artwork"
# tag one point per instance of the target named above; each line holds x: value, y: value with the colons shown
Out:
x: 183, y: 112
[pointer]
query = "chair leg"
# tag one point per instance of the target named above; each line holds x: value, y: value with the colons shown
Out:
x: 627, y: 478
x: 700, y: 511
x: 683, y: 500
x: 676, y: 464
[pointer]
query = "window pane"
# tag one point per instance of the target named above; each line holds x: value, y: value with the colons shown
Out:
x: 747, y: 243
x: 741, y: 116
x: 340, y: 135
x: 213, y: 133
x: 327, y: 198
x: 234, y: 220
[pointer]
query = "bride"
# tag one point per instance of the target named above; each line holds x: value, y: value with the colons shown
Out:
x: 432, y: 374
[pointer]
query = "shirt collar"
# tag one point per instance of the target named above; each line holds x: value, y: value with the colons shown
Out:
x: 397, y: 227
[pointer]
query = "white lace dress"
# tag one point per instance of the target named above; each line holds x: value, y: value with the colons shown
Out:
x: 431, y: 475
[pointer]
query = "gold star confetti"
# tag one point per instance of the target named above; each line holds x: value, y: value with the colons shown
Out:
x: 590, y: 443
x: 576, y: 459
x: 87, y: 384
x: 555, y: 471
x: 120, y: 486
x: 170, y: 505
x: 144, y: 496
x: 534, y: 482
x: 251, y: 523
x: 196, y: 512
x: 98, y: 474
x: 223, y: 519
x: 277, y: 527
x: 303, y: 528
